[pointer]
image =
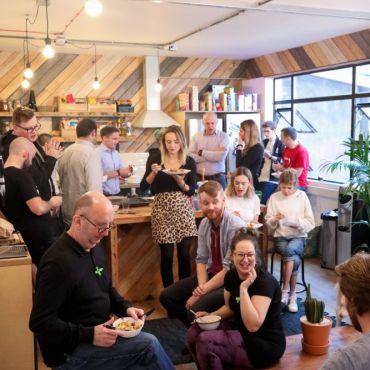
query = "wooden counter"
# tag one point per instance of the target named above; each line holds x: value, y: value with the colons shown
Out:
x: 16, y: 340
x: 134, y: 258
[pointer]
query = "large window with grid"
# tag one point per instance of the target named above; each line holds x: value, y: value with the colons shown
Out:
x: 325, y: 107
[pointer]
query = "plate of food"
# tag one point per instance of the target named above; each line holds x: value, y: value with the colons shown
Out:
x: 179, y: 171
x: 290, y: 222
x: 128, y: 327
x: 254, y: 225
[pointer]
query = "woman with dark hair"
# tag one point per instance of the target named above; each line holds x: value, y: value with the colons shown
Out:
x: 249, y: 151
x: 240, y: 196
x: 173, y: 218
x: 252, y: 295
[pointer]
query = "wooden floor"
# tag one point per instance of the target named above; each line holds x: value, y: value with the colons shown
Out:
x: 322, y: 287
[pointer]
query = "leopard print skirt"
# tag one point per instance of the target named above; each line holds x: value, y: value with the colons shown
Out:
x: 172, y: 218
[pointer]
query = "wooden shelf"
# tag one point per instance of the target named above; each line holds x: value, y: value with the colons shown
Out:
x: 75, y: 114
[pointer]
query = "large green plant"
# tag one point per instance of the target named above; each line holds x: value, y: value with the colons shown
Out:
x: 313, y: 308
x: 355, y: 159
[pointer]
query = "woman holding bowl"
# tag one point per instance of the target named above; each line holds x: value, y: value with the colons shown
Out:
x: 171, y: 176
x: 240, y: 196
x: 252, y: 297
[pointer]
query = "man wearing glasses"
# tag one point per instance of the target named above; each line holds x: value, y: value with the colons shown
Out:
x: 25, y: 125
x: 74, y: 300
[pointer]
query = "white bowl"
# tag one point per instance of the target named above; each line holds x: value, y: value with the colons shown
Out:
x: 209, y: 322
x: 130, y: 332
x: 115, y: 207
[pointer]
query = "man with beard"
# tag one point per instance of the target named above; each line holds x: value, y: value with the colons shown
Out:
x: 24, y: 207
x: 354, y: 283
x: 26, y: 125
x: 204, y: 291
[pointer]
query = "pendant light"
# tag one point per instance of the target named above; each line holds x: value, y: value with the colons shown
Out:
x: 27, y: 73
x: 25, y: 84
x: 96, y: 84
x: 93, y: 8
x: 158, y: 86
x: 48, y: 51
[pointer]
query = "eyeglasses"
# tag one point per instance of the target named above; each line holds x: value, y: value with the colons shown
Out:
x: 241, y: 255
x: 101, y: 229
x: 31, y: 129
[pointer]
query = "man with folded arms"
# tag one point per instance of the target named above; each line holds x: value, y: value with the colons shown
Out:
x: 74, y: 300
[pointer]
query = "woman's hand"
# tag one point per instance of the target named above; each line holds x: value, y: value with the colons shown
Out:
x: 135, y: 313
x: 156, y: 168
x: 251, y: 277
x: 279, y: 216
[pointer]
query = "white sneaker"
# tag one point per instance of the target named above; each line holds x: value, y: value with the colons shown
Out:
x: 284, y: 297
x: 292, y: 306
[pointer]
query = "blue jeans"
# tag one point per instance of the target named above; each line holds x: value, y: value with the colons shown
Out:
x: 290, y: 250
x: 141, y: 352
x: 267, y: 189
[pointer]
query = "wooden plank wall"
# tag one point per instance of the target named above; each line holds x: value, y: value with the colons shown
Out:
x: 120, y: 77
x: 353, y: 47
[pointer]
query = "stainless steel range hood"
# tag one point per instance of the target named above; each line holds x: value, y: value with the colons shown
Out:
x: 152, y: 117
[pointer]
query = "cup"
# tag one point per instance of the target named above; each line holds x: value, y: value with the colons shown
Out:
x: 125, y: 205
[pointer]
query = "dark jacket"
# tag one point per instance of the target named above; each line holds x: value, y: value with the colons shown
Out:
x: 41, y: 168
x: 277, y: 151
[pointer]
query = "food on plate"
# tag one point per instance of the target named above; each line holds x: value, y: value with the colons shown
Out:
x: 129, y: 325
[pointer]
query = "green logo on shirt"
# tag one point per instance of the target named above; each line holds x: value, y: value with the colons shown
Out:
x: 98, y: 271
x: 237, y: 300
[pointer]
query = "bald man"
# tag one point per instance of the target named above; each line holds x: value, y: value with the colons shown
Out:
x: 24, y: 208
x: 74, y: 300
x: 209, y: 149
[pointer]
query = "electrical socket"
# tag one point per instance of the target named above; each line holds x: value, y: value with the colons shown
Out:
x: 60, y: 40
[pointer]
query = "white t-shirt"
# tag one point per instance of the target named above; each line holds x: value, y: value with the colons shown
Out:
x: 248, y: 208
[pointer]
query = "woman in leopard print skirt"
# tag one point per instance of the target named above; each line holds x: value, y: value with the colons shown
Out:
x: 171, y: 177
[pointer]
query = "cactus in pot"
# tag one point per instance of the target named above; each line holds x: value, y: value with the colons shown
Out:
x: 313, y: 308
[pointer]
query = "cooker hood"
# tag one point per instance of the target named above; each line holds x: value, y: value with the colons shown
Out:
x: 152, y: 117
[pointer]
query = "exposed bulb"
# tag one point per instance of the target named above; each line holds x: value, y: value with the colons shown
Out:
x: 28, y: 73
x: 25, y: 84
x: 96, y: 84
x: 48, y: 51
x: 158, y: 86
x: 93, y: 8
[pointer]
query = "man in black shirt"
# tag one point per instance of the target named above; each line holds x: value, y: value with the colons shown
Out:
x: 25, y: 125
x: 24, y: 208
x: 74, y: 299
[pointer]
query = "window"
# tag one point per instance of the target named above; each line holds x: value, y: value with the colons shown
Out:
x: 325, y: 107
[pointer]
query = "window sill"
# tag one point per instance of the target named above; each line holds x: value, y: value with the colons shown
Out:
x: 322, y: 188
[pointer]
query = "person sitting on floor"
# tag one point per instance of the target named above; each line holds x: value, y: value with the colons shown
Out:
x: 289, y: 215
x: 354, y: 283
x: 204, y: 291
x: 252, y: 296
x: 74, y: 299
x: 240, y: 196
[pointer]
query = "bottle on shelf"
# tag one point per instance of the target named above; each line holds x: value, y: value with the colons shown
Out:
x: 32, y: 101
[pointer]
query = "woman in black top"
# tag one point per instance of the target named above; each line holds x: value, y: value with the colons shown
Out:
x: 252, y: 296
x: 173, y: 218
x: 249, y: 151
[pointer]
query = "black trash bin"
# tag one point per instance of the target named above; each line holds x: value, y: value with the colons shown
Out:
x: 328, y: 239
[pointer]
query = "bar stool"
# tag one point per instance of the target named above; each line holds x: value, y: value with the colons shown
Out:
x: 301, y: 283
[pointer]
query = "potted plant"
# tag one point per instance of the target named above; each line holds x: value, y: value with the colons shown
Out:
x: 315, y: 327
x: 356, y: 159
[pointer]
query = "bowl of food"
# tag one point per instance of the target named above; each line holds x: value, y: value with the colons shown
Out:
x: 128, y: 327
x: 209, y: 322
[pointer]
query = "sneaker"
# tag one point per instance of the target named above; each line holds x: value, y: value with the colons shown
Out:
x: 292, y: 306
x: 284, y: 297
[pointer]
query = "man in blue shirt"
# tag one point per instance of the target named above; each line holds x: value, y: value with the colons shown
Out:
x: 111, y: 161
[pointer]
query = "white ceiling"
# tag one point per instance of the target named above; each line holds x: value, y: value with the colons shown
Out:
x: 256, y: 30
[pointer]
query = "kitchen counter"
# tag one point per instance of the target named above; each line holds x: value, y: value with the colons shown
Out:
x: 134, y: 258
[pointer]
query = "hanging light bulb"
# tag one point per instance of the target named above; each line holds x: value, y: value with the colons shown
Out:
x: 48, y: 51
x: 28, y: 73
x: 96, y: 84
x: 25, y: 84
x: 93, y: 8
x: 158, y: 86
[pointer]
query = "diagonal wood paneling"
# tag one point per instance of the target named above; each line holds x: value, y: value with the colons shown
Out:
x: 337, y: 50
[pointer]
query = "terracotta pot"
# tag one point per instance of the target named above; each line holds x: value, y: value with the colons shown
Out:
x: 316, y: 336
